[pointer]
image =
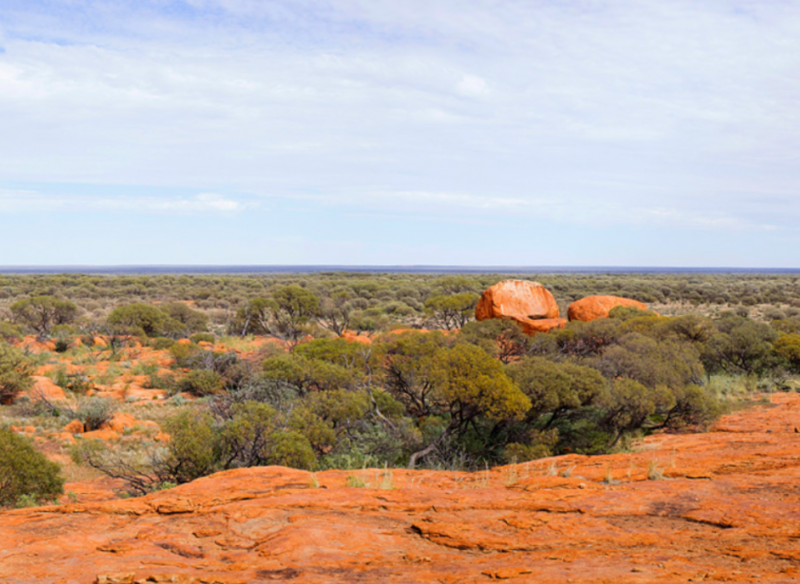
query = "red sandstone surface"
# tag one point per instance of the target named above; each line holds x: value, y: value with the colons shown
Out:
x: 725, y: 507
x: 594, y: 307
x: 528, y: 303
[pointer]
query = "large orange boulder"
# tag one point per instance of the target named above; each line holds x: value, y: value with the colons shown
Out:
x: 528, y: 303
x: 594, y: 307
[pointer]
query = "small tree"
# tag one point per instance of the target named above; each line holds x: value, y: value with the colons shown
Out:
x: 499, y: 337
x: 556, y: 388
x: 252, y: 318
x: 42, y: 313
x: 194, y: 447
x: 335, y: 311
x: 24, y: 472
x: 140, y: 317
x: 787, y: 347
x: 456, y: 385
x: 194, y: 320
x: 742, y: 346
x: 652, y: 363
x: 453, y: 311
x: 629, y: 404
x: 293, y: 307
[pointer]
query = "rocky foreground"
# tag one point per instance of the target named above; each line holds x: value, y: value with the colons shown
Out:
x: 717, y: 507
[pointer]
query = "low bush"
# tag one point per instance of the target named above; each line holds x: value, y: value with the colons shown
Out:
x: 185, y: 354
x: 94, y: 412
x: 25, y: 474
x: 161, y: 343
x: 9, y: 331
x: 201, y: 382
x: 15, y: 373
x: 202, y: 338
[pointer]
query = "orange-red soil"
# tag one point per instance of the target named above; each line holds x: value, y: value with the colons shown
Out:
x: 726, y: 510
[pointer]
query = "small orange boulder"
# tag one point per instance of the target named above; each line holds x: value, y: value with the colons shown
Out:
x: 121, y: 422
x: 74, y: 427
x: 44, y: 388
x: 105, y: 435
x: 354, y: 337
x: 544, y: 325
x: 528, y: 303
x: 594, y: 307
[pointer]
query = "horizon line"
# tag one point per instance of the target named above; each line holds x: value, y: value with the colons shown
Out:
x: 370, y: 268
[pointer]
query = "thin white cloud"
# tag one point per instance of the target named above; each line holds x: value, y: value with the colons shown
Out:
x: 12, y: 201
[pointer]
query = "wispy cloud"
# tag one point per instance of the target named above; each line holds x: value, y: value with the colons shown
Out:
x: 24, y: 200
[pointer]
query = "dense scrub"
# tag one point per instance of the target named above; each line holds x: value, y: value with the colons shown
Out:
x: 378, y: 301
x: 483, y: 394
x: 487, y: 395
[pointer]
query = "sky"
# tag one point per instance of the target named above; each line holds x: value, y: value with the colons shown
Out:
x: 400, y: 132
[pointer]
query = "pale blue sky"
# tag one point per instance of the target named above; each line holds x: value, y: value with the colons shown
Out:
x: 577, y: 132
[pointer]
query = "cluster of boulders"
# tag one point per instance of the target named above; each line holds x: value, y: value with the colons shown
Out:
x: 533, y: 306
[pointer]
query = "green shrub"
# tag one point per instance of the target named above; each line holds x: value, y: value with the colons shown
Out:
x: 26, y: 475
x: 161, y: 343
x: 152, y: 321
x: 202, y: 338
x: 201, y: 382
x: 9, y: 331
x: 292, y: 449
x: 194, y: 321
x: 194, y: 446
x: 75, y: 382
x: 15, y: 373
x: 184, y: 353
x: 95, y: 411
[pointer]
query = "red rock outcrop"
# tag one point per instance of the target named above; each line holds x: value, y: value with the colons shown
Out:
x: 717, y: 507
x: 594, y: 307
x: 528, y: 303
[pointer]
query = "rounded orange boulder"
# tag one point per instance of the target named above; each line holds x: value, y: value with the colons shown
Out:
x: 594, y: 307
x: 45, y: 388
x: 528, y: 303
